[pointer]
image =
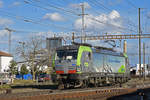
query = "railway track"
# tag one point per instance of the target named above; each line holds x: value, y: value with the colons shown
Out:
x: 33, y: 92
x: 77, y: 94
x: 98, y: 93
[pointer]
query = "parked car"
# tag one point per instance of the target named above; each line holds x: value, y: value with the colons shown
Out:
x: 44, y: 78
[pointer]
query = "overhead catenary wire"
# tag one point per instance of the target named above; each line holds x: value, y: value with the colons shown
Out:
x: 94, y: 19
x: 95, y: 10
x: 25, y: 19
x: 130, y: 3
x: 69, y: 11
x: 52, y: 6
x: 27, y: 2
x: 22, y: 18
x: 32, y: 3
x: 92, y: 2
x: 104, y: 7
x: 97, y: 3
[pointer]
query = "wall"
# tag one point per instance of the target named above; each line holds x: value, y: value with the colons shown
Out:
x: 5, y: 62
x: 0, y: 64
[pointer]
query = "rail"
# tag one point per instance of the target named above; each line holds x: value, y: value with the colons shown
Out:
x: 102, y: 94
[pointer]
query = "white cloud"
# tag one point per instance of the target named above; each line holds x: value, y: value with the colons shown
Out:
x: 5, y: 21
x: 76, y: 6
x: 16, y: 3
x: 1, y: 4
x: 54, y: 16
x: 113, y: 21
x: 114, y: 14
x: 3, y: 33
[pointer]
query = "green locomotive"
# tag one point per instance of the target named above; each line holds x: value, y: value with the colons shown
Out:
x: 81, y: 65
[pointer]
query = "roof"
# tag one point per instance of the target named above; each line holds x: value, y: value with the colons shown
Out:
x: 103, y: 48
x: 5, y: 54
x: 55, y: 38
x: 82, y: 44
x: 108, y: 51
x: 68, y: 47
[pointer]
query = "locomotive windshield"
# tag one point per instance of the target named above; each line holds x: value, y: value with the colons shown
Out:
x: 66, y: 55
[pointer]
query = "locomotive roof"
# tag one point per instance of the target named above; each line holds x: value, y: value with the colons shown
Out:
x: 108, y: 51
x: 83, y: 44
x: 74, y: 45
x: 98, y: 49
x: 68, y: 47
x: 103, y: 48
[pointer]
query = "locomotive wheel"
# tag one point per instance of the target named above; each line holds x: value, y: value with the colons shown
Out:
x: 61, y: 86
x: 95, y: 83
x: 84, y: 84
x: 66, y: 86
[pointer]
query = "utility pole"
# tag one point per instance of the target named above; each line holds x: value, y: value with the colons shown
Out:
x: 54, y: 35
x: 144, y: 60
x: 73, y: 37
x: 148, y: 64
x: 9, y: 38
x: 83, y: 35
x: 148, y: 59
x: 139, y: 44
x: 120, y: 43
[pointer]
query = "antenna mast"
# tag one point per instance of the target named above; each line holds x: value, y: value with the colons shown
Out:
x: 83, y: 35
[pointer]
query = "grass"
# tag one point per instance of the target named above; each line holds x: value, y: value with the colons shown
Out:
x: 17, y: 82
x: 5, y: 86
x: 23, y: 82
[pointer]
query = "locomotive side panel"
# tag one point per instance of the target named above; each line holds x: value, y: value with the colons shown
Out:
x: 108, y: 63
x: 116, y: 64
x: 98, y: 62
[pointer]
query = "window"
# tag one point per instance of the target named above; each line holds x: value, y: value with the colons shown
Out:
x: 66, y: 55
x: 89, y: 55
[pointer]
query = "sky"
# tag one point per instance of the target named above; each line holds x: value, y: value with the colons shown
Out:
x: 62, y: 17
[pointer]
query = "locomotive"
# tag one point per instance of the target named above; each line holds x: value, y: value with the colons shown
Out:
x: 81, y: 65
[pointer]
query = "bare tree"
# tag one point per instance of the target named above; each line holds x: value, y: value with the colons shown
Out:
x: 31, y: 51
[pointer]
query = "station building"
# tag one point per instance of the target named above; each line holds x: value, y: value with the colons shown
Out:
x: 5, y: 59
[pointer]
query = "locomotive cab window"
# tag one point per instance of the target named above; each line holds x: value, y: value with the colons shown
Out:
x: 89, y: 56
x: 66, y: 55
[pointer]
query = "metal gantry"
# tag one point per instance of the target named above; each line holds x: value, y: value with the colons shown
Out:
x: 106, y: 37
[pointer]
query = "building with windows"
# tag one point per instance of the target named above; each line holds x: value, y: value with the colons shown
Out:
x: 5, y: 59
